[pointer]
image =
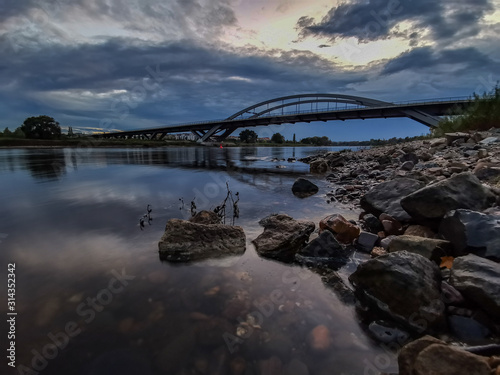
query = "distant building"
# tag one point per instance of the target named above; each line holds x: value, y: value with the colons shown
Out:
x: 264, y: 139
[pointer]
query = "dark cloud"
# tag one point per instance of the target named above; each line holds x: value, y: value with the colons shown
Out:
x: 427, y: 59
x: 127, y: 79
x: 373, y: 19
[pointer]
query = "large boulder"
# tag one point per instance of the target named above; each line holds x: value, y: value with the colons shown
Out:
x: 472, y: 232
x: 478, y: 279
x: 304, y: 188
x: 404, y: 285
x: 432, y: 202
x: 429, y: 248
x: 386, y: 196
x: 323, y: 250
x: 283, y: 236
x: 430, y: 356
x: 189, y: 241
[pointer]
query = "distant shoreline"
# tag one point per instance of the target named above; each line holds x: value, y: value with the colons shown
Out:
x: 96, y: 143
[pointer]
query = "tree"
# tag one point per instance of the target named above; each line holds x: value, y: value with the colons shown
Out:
x: 7, y: 133
x: 70, y: 132
x: 277, y: 138
x: 248, y: 136
x: 41, y: 127
x: 18, y: 133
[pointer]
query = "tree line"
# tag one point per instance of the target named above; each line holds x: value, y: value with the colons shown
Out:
x: 40, y: 127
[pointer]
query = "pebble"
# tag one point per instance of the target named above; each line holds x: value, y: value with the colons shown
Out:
x: 320, y: 338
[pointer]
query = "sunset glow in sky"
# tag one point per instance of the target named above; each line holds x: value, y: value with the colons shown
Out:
x: 132, y: 64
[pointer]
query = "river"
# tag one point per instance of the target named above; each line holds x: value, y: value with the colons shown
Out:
x: 93, y: 297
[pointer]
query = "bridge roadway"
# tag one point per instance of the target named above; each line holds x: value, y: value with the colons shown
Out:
x: 423, y: 111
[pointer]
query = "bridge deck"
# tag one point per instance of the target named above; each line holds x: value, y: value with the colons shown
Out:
x: 391, y: 110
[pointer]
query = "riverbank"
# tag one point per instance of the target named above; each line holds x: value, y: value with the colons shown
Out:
x: 430, y: 221
x: 421, y: 259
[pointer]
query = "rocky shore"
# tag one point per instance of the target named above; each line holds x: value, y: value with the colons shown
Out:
x: 426, y: 247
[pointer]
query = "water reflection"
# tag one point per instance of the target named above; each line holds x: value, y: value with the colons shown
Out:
x: 71, y: 235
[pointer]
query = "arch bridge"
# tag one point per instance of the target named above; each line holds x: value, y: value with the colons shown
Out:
x: 306, y: 108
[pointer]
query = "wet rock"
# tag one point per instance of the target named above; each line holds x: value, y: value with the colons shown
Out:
x: 320, y: 339
x: 282, y: 237
x: 478, y: 279
x: 430, y: 356
x: 205, y: 217
x: 387, y: 332
x: 432, y: 202
x: 386, y: 196
x: 447, y: 360
x: 466, y: 328
x: 420, y: 231
x: 450, y: 295
x: 366, y: 241
x: 187, y: 241
x: 304, y: 188
x: 472, y: 232
x: 324, y: 249
x: 429, y: 248
x: 391, y: 225
x: 402, y: 285
x: 410, y: 352
x: 318, y: 166
x: 344, y: 231
x: 336, y: 283
x: 372, y: 223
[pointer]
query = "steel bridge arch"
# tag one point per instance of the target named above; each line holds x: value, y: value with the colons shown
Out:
x: 295, y: 100
x: 334, y: 98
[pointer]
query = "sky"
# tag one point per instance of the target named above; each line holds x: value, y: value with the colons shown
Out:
x: 103, y: 65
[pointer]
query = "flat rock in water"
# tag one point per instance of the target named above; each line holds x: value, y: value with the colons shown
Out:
x: 478, y: 279
x: 404, y: 285
x: 472, y: 232
x: 304, y: 188
x: 185, y: 241
x: 283, y: 237
x: 432, y: 202
x: 386, y: 196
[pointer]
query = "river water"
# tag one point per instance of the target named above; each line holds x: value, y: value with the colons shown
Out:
x: 93, y: 297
